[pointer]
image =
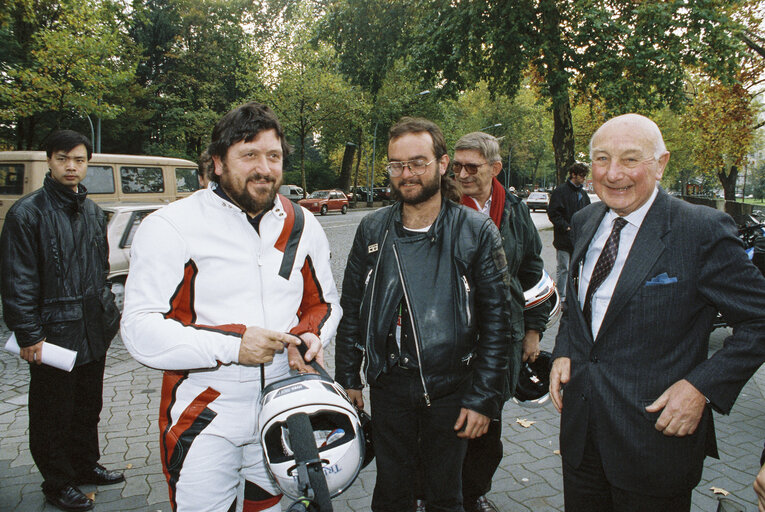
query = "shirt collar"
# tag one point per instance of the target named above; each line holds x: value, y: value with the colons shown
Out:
x: 486, y: 207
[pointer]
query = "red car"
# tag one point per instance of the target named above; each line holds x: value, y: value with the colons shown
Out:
x: 323, y: 201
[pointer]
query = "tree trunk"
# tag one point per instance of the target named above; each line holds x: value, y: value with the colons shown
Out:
x: 729, y: 182
x: 346, y: 167
x: 302, y: 163
x: 557, y: 79
x: 563, y: 138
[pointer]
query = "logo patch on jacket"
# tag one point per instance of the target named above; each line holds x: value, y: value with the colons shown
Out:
x: 372, y: 248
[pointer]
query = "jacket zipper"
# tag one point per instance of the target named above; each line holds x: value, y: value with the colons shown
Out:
x: 372, y: 297
x: 414, y: 328
x: 467, y: 298
x: 259, y: 261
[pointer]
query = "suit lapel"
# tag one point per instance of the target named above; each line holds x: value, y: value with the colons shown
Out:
x: 646, y: 249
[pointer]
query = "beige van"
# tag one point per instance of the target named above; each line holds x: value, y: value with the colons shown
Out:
x: 111, y: 178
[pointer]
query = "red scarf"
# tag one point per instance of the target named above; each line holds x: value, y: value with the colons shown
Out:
x: 497, y: 201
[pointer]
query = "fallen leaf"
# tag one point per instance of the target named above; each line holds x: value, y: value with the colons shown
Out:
x: 719, y: 490
x: 129, y: 466
x: 91, y: 495
x: 524, y: 422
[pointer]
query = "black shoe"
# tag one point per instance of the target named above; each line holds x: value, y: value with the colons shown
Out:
x: 69, y: 498
x: 482, y: 504
x: 99, y: 475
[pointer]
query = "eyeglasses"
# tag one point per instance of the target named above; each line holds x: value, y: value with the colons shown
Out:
x: 416, y: 167
x: 469, y: 168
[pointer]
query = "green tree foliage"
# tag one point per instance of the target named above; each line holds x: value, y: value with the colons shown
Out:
x: 628, y: 55
x: 64, y: 59
x: 316, y: 105
x: 198, y: 61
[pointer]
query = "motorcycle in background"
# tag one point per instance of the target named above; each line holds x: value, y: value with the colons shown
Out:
x: 752, y: 233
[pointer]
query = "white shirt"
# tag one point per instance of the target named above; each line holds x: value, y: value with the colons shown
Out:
x: 602, y: 296
x: 486, y: 209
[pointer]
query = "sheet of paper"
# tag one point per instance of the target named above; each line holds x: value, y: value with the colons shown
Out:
x: 52, y: 355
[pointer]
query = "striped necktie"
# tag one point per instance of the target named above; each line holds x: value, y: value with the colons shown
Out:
x: 603, y: 266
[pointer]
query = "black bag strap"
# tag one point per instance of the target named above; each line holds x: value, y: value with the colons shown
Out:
x: 309, y: 468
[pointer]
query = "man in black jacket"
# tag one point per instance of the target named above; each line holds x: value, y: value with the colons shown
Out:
x: 425, y: 304
x: 476, y: 164
x: 566, y: 200
x: 54, y: 263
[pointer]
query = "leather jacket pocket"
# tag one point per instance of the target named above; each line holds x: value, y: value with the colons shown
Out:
x: 62, y: 323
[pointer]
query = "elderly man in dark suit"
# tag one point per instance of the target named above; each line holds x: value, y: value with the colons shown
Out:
x: 648, y: 274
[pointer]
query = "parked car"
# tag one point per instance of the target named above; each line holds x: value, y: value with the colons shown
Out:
x: 358, y: 194
x: 323, y: 201
x: 538, y: 201
x: 123, y: 220
x: 381, y: 193
x: 292, y: 192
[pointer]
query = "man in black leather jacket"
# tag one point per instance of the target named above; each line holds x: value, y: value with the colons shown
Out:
x: 425, y: 304
x: 476, y: 164
x: 53, y: 268
x: 567, y: 199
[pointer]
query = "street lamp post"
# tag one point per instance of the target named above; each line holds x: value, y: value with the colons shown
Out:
x: 92, y: 132
x: 371, y: 173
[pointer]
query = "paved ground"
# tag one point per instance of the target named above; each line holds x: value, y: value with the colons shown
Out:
x: 528, y: 479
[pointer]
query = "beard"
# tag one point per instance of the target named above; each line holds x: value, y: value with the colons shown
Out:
x: 429, y: 187
x: 238, y: 192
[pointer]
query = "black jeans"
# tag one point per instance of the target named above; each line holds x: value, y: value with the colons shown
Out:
x: 64, y: 409
x: 481, y: 461
x: 406, y: 433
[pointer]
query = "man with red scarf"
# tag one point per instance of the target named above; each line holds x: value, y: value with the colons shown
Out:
x: 476, y: 165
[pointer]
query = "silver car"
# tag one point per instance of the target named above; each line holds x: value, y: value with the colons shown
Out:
x: 538, y: 201
x: 123, y: 220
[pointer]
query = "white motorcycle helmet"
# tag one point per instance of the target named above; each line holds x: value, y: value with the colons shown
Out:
x: 336, y: 428
x: 541, y: 292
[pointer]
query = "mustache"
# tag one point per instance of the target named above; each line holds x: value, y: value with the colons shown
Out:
x: 256, y: 176
x: 410, y: 181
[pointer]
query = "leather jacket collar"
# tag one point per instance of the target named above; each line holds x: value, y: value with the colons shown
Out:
x: 63, y: 196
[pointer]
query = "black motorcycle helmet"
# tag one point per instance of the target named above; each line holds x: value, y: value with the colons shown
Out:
x: 533, y: 388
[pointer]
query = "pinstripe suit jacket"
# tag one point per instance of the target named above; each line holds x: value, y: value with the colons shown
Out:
x: 654, y: 335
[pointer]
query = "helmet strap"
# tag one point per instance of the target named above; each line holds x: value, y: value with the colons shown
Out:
x: 311, y: 479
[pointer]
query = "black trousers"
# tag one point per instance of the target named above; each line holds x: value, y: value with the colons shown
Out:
x: 481, y: 461
x: 64, y: 409
x: 586, y: 489
x: 410, y: 436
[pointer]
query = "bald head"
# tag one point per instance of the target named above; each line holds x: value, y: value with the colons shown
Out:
x: 645, y: 130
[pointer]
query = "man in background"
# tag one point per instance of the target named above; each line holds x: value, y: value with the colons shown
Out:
x: 476, y: 165
x: 205, y: 169
x: 565, y: 201
x: 54, y: 260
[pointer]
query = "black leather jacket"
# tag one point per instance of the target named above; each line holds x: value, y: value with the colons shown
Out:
x: 54, y: 263
x: 455, y: 280
x: 523, y: 248
x: 563, y: 206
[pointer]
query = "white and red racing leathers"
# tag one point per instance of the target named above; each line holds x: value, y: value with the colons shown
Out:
x: 199, y: 275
